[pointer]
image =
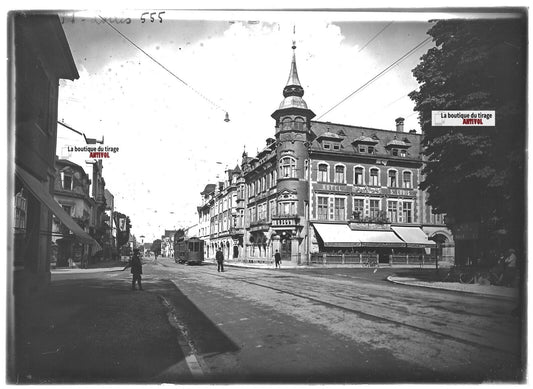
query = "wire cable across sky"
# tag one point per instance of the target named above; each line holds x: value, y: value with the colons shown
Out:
x: 384, y: 71
x: 374, y: 37
x: 163, y: 66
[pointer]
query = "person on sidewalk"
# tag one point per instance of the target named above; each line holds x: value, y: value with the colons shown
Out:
x: 219, y: 256
x: 277, y: 259
x: 136, y: 269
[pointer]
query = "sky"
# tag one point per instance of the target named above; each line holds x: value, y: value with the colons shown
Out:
x: 169, y: 129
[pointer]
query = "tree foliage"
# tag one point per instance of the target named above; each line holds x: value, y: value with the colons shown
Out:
x: 156, y: 247
x: 476, y: 174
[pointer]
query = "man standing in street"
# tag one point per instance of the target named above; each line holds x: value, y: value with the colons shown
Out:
x: 220, y: 260
x: 136, y: 269
x: 277, y: 259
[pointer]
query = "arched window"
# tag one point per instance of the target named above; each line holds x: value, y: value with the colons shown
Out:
x: 287, y: 167
x: 322, y: 172
x: 358, y: 176
x: 393, y: 179
x: 339, y: 174
x: 286, y: 124
x: 407, y: 179
x: 299, y: 124
x: 374, y: 177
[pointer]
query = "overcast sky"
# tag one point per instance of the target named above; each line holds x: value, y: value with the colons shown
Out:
x: 173, y: 141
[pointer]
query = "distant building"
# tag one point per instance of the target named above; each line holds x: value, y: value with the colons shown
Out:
x: 325, y: 193
x: 167, y: 243
x: 39, y: 58
x: 71, y: 191
x: 110, y: 248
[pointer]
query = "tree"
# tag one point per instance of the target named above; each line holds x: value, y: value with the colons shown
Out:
x: 476, y: 174
x: 156, y: 247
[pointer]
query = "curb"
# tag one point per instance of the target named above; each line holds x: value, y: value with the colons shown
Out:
x: 85, y: 271
x: 419, y: 285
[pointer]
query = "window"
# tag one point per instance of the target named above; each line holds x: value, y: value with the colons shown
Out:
x: 336, y: 147
x: 272, y: 208
x: 407, y: 182
x: 392, y: 179
x: 358, y: 209
x: 403, y: 153
x: 322, y: 208
x: 21, y: 206
x: 358, y: 178
x: 374, y: 208
x: 407, y: 212
x: 340, y: 209
x: 374, y: 177
x: 299, y: 124
x: 327, y: 146
x: 392, y: 211
x: 288, y: 167
x: 322, y: 172
x: 339, y: 174
x: 287, y: 208
x: 68, y: 209
x: 370, y: 149
x: 362, y: 148
x: 286, y: 124
x: 67, y: 182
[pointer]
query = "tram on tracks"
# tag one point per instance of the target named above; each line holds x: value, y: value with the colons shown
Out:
x: 187, y: 250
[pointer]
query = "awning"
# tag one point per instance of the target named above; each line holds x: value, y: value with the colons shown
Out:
x: 377, y: 238
x: 37, y: 189
x: 413, y: 236
x: 341, y: 235
x: 336, y: 235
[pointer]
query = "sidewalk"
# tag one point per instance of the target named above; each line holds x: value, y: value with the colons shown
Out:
x: 94, y: 330
x: 486, y: 290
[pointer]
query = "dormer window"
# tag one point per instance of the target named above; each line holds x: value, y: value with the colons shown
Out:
x: 330, y: 141
x: 398, y: 147
x: 66, y: 180
x: 370, y: 149
x: 362, y: 148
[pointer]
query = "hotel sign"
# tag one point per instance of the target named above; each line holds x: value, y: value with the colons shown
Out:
x: 366, y: 190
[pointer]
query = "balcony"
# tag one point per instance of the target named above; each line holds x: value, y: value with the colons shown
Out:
x: 283, y: 221
x: 260, y: 225
x: 236, y: 231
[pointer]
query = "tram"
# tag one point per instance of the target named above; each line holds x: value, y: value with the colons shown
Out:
x: 188, y: 250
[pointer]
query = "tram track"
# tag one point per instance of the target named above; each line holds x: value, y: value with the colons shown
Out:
x: 379, y: 312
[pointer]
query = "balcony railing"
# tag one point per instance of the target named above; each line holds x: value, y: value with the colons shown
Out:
x: 285, y: 220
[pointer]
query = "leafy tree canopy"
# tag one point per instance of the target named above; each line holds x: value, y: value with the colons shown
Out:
x: 475, y: 173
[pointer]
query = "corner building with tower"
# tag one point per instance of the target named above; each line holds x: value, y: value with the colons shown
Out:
x: 325, y: 193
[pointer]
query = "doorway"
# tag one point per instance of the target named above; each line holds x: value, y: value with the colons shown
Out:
x: 285, y: 249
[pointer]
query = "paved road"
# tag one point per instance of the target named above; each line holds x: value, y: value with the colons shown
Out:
x: 331, y: 325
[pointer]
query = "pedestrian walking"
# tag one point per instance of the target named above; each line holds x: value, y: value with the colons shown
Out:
x: 219, y: 256
x: 277, y: 259
x: 136, y: 269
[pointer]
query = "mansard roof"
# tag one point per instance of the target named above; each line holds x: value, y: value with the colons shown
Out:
x: 381, y: 139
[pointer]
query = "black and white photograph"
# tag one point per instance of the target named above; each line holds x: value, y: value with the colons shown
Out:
x: 267, y: 196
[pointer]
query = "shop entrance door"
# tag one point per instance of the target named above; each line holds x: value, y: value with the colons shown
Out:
x: 285, y: 250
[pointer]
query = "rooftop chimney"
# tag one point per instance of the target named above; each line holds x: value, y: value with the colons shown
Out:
x: 399, y: 124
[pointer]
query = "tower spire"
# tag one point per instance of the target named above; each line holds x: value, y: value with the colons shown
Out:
x: 293, y: 87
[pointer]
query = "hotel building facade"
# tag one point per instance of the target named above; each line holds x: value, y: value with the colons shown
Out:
x: 321, y: 193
